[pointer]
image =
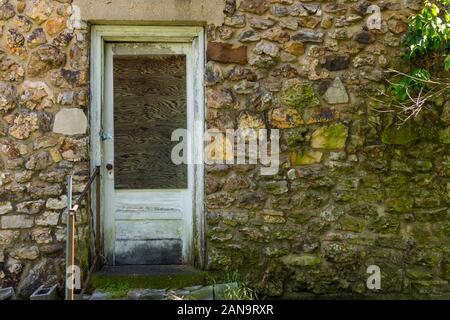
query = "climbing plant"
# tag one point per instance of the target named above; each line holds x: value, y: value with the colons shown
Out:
x: 427, y: 54
x: 429, y: 32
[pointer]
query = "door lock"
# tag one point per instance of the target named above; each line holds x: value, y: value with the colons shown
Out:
x: 109, y: 166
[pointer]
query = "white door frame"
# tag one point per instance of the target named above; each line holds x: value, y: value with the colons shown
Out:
x: 100, y: 34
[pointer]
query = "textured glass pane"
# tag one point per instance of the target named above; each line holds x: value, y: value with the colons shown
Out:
x: 149, y: 104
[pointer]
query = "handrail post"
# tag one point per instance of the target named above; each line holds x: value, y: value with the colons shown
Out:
x: 69, y: 243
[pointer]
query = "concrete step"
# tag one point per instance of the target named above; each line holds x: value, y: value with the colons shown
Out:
x: 148, y: 276
x: 198, y: 292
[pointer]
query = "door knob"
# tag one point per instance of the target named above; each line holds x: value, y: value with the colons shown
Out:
x: 109, y: 166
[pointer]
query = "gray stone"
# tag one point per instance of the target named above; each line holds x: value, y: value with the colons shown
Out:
x: 39, y: 10
x: 70, y: 122
x: 308, y: 36
x: 56, y: 204
x: 30, y: 207
x: 266, y: 47
x: 335, y: 8
x: 45, y: 58
x: 230, y: 7
x: 26, y: 253
x: 262, y: 61
x: 99, y: 295
x: 8, y: 236
x: 291, y: 174
x: 5, y: 207
x: 7, y: 97
x: 336, y: 62
x: 254, y: 6
x: 298, y: 9
x: 289, y: 23
x: 204, y: 293
x: 260, y: 23
x: 312, y: 8
x: 66, y: 98
x: 7, y: 294
x: 36, y: 38
x: 249, y: 36
x: 45, y: 293
x: 336, y: 93
x: 364, y: 37
x: 17, y: 222
x: 147, y: 294
x: 213, y: 74
x: 38, y: 161
x: 48, y: 218
x: 276, y: 187
x: 236, y: 21
x: 279, y: 11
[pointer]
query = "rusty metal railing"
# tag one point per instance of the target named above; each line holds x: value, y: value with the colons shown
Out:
x: 92, y: 239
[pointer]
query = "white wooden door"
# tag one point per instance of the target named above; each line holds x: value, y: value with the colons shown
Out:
x: 147, y: 200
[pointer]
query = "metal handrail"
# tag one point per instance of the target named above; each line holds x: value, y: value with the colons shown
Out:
x: 70, y: 241
x: 93, y: 177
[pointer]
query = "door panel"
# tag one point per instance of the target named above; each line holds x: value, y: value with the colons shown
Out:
x: 154, y: 251
x: 149, y: 104
x: 149, y: 199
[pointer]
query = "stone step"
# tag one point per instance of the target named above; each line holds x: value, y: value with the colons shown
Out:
x: 149, y: 276
x: 198, y: 292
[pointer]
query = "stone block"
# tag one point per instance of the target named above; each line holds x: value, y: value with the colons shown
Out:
x: 226, y: 52
x: 70, y: 121
x: 17, y: 222
x: 45, y: 293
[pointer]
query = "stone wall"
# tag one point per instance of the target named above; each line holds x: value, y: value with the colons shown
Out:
x: 351, y: 192
x: 43, y: 82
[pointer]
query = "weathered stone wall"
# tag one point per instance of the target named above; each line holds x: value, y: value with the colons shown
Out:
x: 351, y: 191
x: 43, y: 82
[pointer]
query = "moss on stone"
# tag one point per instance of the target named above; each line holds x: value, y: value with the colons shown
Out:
x: 299, y: 94
x: 352, y: 224
x: 402, y: 135
x: 306, y: 157
x: 427, y: 133
x: 444, y: 135
x: 148, y: 281
x: 305, y: 260
x: 330, y: 137
x: 115, y: 289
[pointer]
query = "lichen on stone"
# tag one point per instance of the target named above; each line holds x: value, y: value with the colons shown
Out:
x: 299, y: 94
x: 330, y: 137
x: 306, y: 157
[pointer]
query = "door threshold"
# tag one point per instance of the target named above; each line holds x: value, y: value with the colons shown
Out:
x: 155, y: 270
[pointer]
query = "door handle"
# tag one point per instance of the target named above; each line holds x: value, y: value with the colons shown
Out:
x: 109, y: 166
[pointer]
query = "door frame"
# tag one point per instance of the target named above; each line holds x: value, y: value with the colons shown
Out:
x: 101, y: 34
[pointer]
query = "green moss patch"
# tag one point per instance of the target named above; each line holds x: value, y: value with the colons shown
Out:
x: 299, y: 94
x: 115, y: 283
x: 403, y: 135
x: 330, y: 137
x: 444, y: 135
